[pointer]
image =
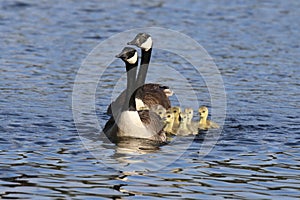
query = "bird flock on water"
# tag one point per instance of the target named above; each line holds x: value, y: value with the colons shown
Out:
x: 143, y: 110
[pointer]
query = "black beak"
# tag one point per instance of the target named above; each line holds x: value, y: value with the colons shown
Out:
x: 120, y: 55
x: 133, y: 42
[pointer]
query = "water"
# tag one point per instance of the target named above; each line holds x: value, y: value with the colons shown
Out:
x: 256, y: 48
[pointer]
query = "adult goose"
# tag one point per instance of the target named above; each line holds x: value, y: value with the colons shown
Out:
x: 129, y: 122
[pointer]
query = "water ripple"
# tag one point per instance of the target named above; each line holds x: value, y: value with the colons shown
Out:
x: 255, y: 47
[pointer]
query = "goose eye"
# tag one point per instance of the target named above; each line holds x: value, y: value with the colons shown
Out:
x: 169, y: 116
x: 160, y: 113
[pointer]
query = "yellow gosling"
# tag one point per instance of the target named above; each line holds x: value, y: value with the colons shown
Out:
x: 169, y: 121
x: 159, y: 110
x: 191, y: 125
x: 176, y: 111
x: 190, y: 113
x: 183, y: 129
x: 204, y: 123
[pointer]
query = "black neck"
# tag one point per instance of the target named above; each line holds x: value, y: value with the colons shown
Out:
x: 132, y: 104
x: 146, y: 56
x: 131, y: 74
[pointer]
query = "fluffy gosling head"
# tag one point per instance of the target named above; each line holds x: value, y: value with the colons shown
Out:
x: 176, y: 110
x: 183, y: 118
x: 203, y: 112
x: 159, y: 110
x: 190, y: 113
x: 169, y: 117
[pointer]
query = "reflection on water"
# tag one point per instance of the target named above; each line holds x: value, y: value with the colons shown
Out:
x: 255, y: 46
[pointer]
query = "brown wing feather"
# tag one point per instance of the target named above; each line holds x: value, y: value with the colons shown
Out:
x: 151, y: 94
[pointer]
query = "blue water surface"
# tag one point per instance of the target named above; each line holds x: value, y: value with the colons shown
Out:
x: 255, y: 45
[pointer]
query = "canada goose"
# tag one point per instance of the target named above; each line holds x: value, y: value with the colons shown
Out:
x: 192, y: 125
x: 169, y: 120
x: 176, y: 110
x: 183, y: 129
x: 144, y: 42
x: 205, y: 124
x: 150, y: 94
x: 130, y: 122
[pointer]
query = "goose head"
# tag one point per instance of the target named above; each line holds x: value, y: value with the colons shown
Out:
x: 143, y: 41
x: 169, y: 117
x: 128, y: 55
x: 161, y: 112
x: 176, y: 110
x: 183, y: 118
x: 203, y: 112
x: 190, y: 113
x: 159, y: 109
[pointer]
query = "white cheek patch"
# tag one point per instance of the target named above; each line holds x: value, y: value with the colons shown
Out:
x: 140, y: 104
x: 148, y: 44
x: 133, y: 59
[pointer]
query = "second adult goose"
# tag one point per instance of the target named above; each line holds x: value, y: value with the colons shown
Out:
x: 129, y: 122
x: 145, y: 43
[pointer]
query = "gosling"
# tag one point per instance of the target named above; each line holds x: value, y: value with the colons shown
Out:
x: 169, y: 121
x: 204, y: 123
x: 183, y: 129
x: 176, y: 111
x: 159, y: 110
x: 191, y: 125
